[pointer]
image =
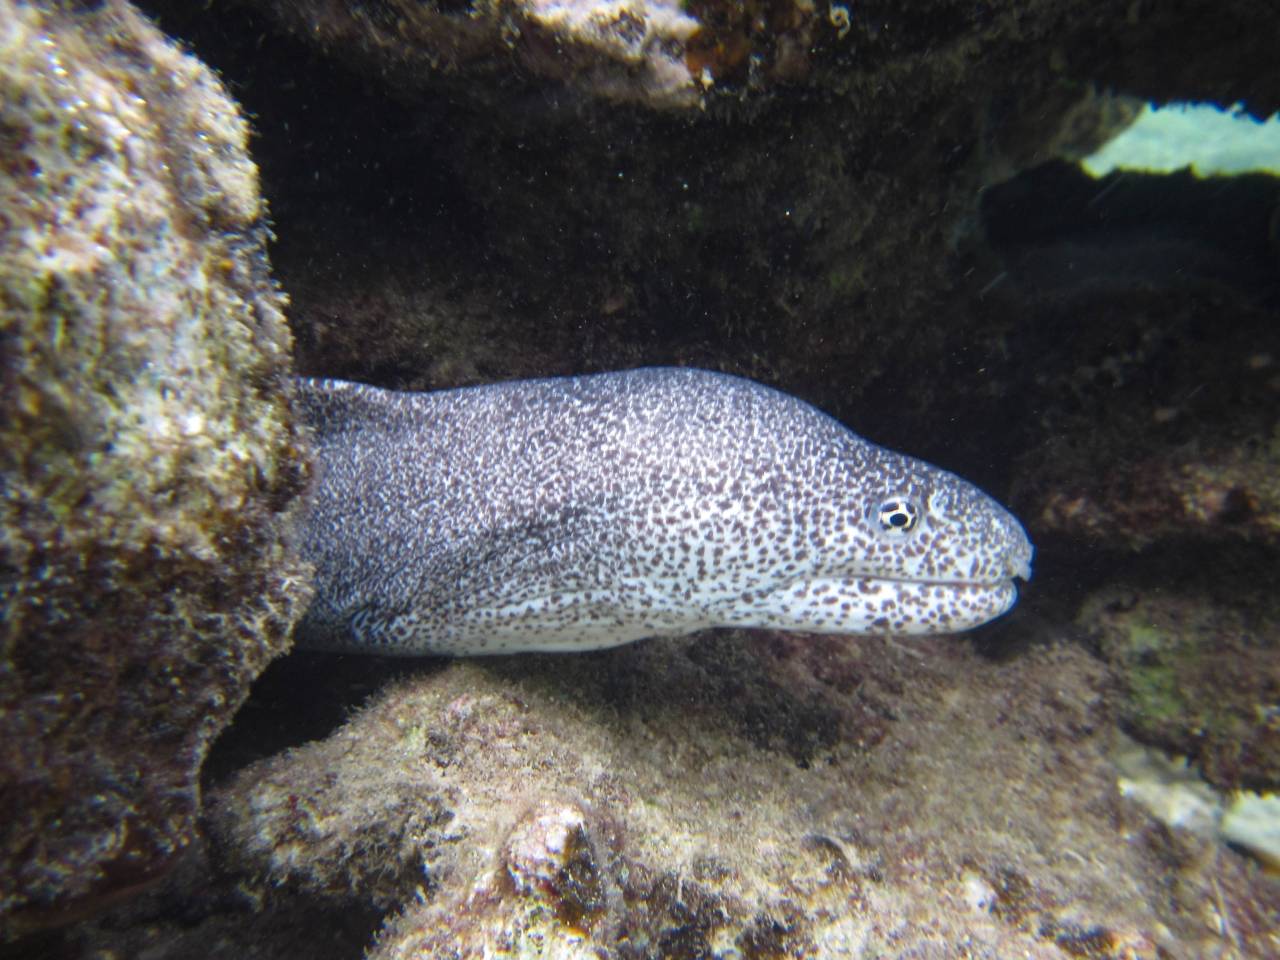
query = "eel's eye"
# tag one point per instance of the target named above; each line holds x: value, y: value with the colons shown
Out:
x: 898, y: 516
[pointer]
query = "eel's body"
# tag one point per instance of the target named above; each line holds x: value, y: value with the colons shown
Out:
x: 585, y: 512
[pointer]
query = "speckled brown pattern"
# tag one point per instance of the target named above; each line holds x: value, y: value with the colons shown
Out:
x: 586, y: 512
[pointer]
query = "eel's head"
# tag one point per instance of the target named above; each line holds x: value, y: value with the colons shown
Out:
x: 899, y: 547
x: 945, y: 555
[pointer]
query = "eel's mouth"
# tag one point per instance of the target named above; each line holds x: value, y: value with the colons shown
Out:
x: 959, y: 584
x: 870, y: 605
x: 931, y: 606
x: 1018, y: 562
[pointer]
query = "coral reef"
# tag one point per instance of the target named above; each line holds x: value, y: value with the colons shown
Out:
x: 1151, y: 460
x: 748, y: 796
x: 147, y: 455
x: 858, y: 204
x: 1228, y: 493
x: 1252, y: 822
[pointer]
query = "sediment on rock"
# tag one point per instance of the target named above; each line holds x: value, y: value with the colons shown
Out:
x: 147, y: 456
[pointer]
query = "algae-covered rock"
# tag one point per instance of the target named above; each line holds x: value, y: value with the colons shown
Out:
x: 618, y: 50
x: 734, y: 796
x: 1199, y: 678
x: 146, y: 452
x: 668, y: 55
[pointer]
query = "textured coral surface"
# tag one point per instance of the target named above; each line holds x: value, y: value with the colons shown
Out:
x: 738, y: 795
x: 146, y: 453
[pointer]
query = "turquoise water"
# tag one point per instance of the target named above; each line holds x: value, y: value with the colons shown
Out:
x: 1201, y: 136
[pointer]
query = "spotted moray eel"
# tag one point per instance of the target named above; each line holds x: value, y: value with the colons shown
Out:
x: 585, y: 512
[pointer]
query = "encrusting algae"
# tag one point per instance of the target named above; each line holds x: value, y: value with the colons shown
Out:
x: 147, y: 453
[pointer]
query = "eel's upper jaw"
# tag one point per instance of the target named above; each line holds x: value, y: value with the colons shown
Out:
x: 1018, y: 562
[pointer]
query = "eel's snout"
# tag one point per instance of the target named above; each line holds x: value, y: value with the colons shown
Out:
x: 1019, y: 551
x: 1019, y: 564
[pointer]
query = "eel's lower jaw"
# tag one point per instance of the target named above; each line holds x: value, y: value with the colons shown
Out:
x: 868, y: 605
x: 944, y: 607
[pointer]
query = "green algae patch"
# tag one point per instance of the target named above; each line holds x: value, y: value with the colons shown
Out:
x: 1150, y: 658
x: 1155, y: 695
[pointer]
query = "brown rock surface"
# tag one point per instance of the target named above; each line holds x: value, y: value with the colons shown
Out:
x: 738, y: 795
x: 146, y: 456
